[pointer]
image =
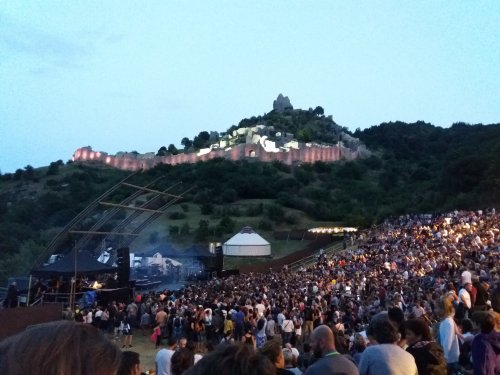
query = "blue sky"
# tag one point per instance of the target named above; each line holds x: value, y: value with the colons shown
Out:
x: 138, y: 75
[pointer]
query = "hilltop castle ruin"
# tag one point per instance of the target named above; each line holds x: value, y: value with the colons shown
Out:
x: 243, y: 143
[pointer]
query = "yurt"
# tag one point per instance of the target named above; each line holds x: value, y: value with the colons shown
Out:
x: 247, y: 243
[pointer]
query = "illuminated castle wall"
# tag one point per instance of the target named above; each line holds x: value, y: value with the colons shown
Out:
x: 135, y: 162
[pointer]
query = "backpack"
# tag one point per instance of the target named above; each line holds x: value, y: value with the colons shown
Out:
x: 126, y: 329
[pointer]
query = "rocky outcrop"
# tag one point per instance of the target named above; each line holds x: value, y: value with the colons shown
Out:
x: 282, y: 103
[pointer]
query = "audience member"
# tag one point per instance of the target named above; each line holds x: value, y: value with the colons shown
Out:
x: 130, y: 364
x: 385, y: 357
x: 428, y: 354
x: 331, y: 361
x: 486, y: 348
x: 237, y: 359
x: 61, y: 347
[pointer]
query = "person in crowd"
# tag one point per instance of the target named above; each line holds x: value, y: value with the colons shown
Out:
x: 286, y: 329
x: 238, y: 320
x: 145, y: 323
x: 464, y: 302
x: 397, y: 317
x: 304, y: 358
x: 126, y: 330
x: 486, y: 348
x: 270, y: 327
x: 228, y: 324
x: 11, y: 300
x: 482, y: 293
x: 272, y: 350
x: 260, y: 331
x: 358, y: 347
x: 192, y: 347
x: 330, y: 360
x: 163, y: 358
x: 249, y: 339
x: 428, y: 354
x: 447, y: 333
x: 60, y: 347
x: 237, y: 359
x: 291, y: 361
x: 130, y: 364
x: 182, y: 360
x: 161, y: 319
x: 386, y: 356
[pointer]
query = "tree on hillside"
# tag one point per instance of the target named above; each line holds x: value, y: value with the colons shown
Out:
x: 162, y: 151
x: 187, y: 143
x: 319, y: 111
x: 201, y: 140
x: 203, y: 231
x: 172, y: 149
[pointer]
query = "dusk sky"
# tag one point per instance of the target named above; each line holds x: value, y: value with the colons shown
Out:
x: 138, y: 75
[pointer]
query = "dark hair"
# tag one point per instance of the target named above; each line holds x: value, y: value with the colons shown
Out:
x: 172, y: 340
x: 128, y: 361
x: 419, y: 328
x: 383, y: 329
x: 487, y: 324
x: 467, y: 325
x: 61, y: 347
x: 359, y: 343
x: 181, y: 360
x: 396, y: 315
x: 271, y: 349
x: 237, y: 359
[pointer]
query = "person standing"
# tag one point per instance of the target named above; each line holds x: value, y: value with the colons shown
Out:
x: 428, y: 354
x: 164, y: 356
x: 130, y: 364
x: 447, y: 333
x: 486, y: 348
x: 272, y: 350
x: 386, y: 356
x: 270, y: 327
x: 59, y: 347
x: 260, y: 334
x: 126, y: 329
x: 11, y: 300
x: 161, y: 319
x: 330, y: 361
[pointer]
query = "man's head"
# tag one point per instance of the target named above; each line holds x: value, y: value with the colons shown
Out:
x: 468, y: 287
x: 182, y: 342
x: 322, y: 341
x: 382, y: 329
x: 172, y: 342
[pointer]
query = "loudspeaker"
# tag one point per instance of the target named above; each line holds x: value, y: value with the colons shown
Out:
x: 219, y: 260
x: 123, y: 262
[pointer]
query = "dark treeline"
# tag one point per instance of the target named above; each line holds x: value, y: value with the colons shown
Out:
x: 414, y: 168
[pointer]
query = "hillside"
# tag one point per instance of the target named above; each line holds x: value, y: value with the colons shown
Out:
x: 414, y: 168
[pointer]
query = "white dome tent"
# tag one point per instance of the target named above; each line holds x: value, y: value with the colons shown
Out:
x: 247, y: 243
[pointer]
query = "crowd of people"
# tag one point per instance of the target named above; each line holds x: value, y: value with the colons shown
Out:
x: 417, y: 294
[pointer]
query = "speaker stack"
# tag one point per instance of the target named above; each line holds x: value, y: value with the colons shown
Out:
x: 219, y: 260
x: 123, y: 262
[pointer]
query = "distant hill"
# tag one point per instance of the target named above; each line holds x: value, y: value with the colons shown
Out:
x: 413, y: 168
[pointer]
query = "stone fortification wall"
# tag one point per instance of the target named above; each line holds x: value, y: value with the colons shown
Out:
x: 132, y: 162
